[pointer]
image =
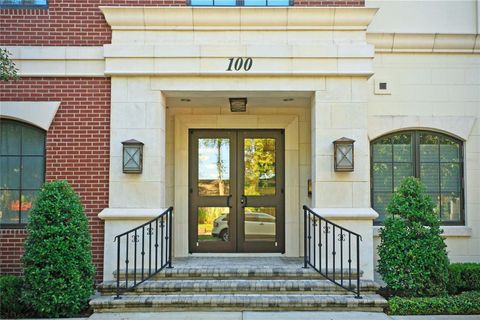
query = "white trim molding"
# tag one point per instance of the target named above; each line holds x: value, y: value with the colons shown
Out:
x: 236, y: 18
x: 38, y: 113
x: 129, y: 214
x: 53, y: 61
x: 346, y: 213
x: 460, y: 126
x: 425, y: 42
x: 448, y: 231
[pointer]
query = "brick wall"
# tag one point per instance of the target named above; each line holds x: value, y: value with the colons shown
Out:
x: 80, y: 22
x: 77, y: 150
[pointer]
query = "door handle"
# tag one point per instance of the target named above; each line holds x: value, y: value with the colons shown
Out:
x: 243, y: 201
x: 228, y: 201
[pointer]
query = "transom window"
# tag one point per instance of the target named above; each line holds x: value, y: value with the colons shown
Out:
x: 22, y: 170
x: 23, y: 3
x: 435, y: 158
x: 242, y: 3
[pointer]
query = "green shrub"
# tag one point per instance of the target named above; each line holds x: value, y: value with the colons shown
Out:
x: 413, y: 260
x: 58, y: 264
x: 463, y: 277
x: 465, y: 303
x: 10, y: 293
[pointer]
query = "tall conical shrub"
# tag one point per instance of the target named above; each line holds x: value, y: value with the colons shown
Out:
x: 57, y: 262
x: 413, y: 260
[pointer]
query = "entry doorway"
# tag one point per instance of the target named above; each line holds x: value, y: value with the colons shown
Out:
x: 236, y: 191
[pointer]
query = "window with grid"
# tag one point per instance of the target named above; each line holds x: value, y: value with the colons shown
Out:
x: 435, y: 158
x: 22, y: 170
x: 241, y: 3
x: 23, y: 3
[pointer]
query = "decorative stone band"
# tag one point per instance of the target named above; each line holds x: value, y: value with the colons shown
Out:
x: 448, y: 231
x: 36, y: 61
x: 130, y: 213
x: 347, y: 213
x: 238, y: 18
x: 38, y: 113
x: 426, y: 42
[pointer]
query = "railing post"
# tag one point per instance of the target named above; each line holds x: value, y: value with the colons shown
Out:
x: 170, y: 222
x: 305, y: 238
x: 358, y: 268
x: 118, y: 268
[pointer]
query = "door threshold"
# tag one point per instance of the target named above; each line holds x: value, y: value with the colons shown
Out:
x: 237, y: 254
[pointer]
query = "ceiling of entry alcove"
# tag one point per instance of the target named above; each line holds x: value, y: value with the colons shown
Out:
x: 191, y: 99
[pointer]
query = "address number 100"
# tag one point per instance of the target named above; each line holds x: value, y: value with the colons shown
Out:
x: 238, y: 64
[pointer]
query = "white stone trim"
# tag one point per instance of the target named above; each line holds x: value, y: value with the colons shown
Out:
x: 129, y: 214
x: 454, y: 125
x: 221, y: 18
x: 53, y: 61
x: 425, y: 42
x: 448, y: 231
x: 346, y: 213
x: 38, y: 113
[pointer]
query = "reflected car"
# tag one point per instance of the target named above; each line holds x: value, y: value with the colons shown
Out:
x: 258, y: 225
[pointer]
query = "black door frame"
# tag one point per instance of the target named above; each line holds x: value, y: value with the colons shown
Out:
x: 235, y: 199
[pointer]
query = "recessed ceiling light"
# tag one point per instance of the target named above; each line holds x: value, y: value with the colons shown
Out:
x: 288, y: 99
x: 185, y: 100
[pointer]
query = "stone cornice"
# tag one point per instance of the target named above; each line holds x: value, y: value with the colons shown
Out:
x: 238, y: 18
x: 428, y: 42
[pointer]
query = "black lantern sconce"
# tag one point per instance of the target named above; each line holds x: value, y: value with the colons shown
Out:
x: 132, y: 156
x: 343, y: 155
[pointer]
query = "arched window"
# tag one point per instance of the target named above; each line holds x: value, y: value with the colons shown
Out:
x: 435, y: 158
x: 22, y: 170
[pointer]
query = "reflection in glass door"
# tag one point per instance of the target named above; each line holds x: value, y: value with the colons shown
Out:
x: 236, y: 196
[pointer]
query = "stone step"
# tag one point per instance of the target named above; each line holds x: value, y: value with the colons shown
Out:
x: 235, y: 302
x: 280, y: 286
x: 232, y: 272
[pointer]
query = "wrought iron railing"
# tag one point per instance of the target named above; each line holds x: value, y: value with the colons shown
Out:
x: 326, y: 242
x: 149, y: 247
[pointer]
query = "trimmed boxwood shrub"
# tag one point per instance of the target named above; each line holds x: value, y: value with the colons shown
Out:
x: 11, y: 305
x: 463, y: 277
x: 413, y: 260
x: 57, y: 262
x: 465, y: 303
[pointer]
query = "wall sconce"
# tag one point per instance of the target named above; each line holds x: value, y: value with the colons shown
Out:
x: 309, y: 187
x: 238, y: 104
x: 343, y: 155
x: 132, y: 156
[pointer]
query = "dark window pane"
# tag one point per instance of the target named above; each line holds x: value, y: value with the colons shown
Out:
x: 382, y: 150
x: 380, y: 203
x: 10, y: 139
x: 32, y: 141
x: 23, y: 2
x: 436, y: 200
x: 9, y: 206
x: 400, y: 172
x: 255, y: 2
x: 278, y: 3
x: 27, y: 200
x: 449, y: 150
x: 32, y: 175
x: 429, y: 151
x: 450, y: 177
x: 430, y: 176
x: 451, y: 207
x: 10, y: 175
x: 402, y: 147
x: 382, y: 177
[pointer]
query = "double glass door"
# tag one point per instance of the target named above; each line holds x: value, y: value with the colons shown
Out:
x: 236, y: 191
